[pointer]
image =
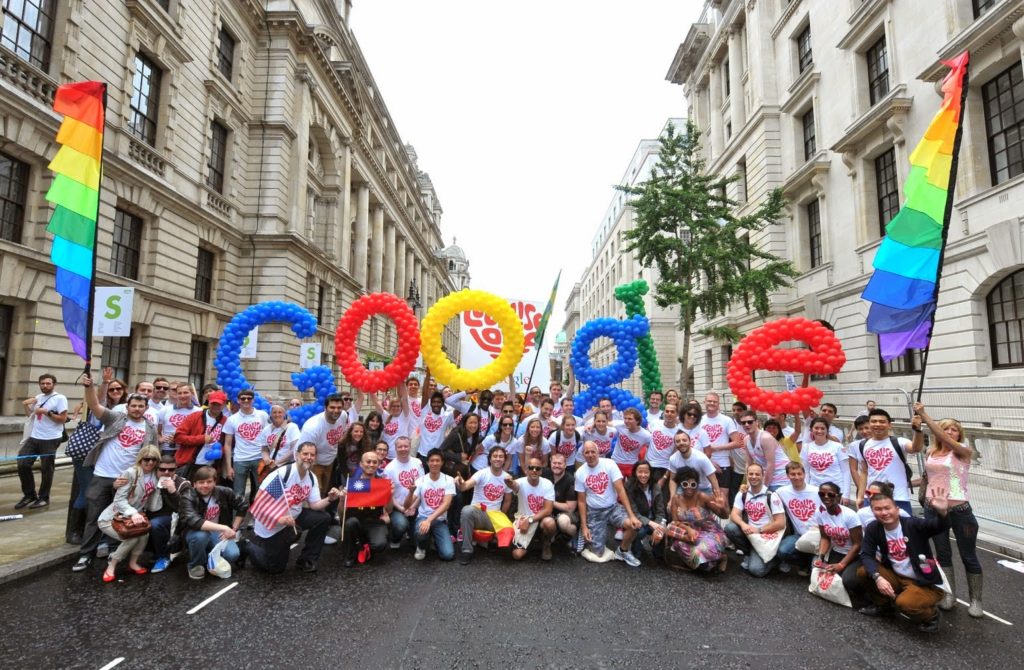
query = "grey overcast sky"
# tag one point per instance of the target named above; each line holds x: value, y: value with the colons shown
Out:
x: 525, y: 114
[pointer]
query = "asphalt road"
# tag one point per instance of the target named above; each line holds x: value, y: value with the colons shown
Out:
x: 400, y: 613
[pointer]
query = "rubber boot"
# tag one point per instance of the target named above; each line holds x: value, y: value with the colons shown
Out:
x: 949, y: 599
x: 974, y: 582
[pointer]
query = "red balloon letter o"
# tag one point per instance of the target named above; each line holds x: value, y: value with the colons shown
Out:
x: 395, y: 372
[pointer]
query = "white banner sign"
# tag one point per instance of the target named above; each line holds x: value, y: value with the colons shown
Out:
x: 482, y: 342
x: 249, y: 344
x: 113, y: 312
x: 309, y: 355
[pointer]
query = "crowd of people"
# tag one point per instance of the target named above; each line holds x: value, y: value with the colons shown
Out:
x: 460, y: 472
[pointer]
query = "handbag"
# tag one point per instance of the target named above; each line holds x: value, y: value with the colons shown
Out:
x: 766, y: 544
x: 82, y: 440
x: 216, y: 563
x: 263, y: 469
x: 126, y: 527
x: 810, y: 541
x: 829, y: 586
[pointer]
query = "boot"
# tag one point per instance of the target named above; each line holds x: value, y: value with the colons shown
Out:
x: 949, y: 599
x: 75, y: 526
x: 974, y: 585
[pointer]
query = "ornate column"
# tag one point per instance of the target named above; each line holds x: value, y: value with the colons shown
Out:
x: 362, y: 234
x: 735, y: 74
x: 401, y: 283
x: 346, y: 208
x: 376, y: 249
x: 716, y: 112
x: 387, y: 283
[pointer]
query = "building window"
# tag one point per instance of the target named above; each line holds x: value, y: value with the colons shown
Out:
x: 166, y: 4
x: 1004, y: 123
x: 709, y: 370
x: 320, y: 303
x: 741, y: 168
x: 225, y: 53
x: 117, y: 353
x: 805, y: 59
x: 887, y: 188
x: 6, y: 332
x: 810, y: 142
x: 981, y: 6
x: 28, y: 30
x: 204, y: 276
x: 728, y: 130
x: 218, y: 156
x: 725, y: 78
x: 878, y: 70
x: 814, y: 233
x: 127, y: 246
x: 906, y: 364
x: 198, y: 354
x: 13, y: 192
x: 1006, y: 321
x: 726, y: 354
x: 145, y: 100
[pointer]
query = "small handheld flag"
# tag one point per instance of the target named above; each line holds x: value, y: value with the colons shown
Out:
x: 270, y: 503
x: 375, y: 492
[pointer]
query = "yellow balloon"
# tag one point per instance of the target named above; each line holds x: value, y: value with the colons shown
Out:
x: 432, y: 326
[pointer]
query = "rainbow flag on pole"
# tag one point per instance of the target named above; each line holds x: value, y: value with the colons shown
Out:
x: 75, y: 192
x: 904, y: 287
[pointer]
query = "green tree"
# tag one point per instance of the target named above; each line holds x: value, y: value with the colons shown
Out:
x: 685, y: 227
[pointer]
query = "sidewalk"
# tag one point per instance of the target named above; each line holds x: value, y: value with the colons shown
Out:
x: 37, y: 540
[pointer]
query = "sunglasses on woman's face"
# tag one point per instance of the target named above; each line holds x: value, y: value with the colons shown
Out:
x: 150, y: 459
x: 118, y: 389
x: 688, y: 485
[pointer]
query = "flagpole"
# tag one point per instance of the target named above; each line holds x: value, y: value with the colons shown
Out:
x: 92, y: 280
x: 538, y: 341
x: 950, y: 189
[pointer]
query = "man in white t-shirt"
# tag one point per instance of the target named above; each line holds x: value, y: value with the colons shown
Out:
x: 431, y: 496
x: 47, y: 411
x: 687, y: 456
x: 724, y: 437
x: 878, y: 459
x: 654, y: 408
x: 325, y: 430
x: 403, y: 473
x: 172, y: 416
x: 555, y: 393
x: 602, y: 503
x: 242, y: 449
x: 434, y: 422
x: 764, y: 450
x: 289, y: 502
x: 492, y: 492
x: 397, y: 420
x: 756, y: 511
x: 536, y: 497
x: 800, y: 501
x: 662, y: 445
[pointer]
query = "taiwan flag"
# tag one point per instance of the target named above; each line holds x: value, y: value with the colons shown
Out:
x: 361, y: 492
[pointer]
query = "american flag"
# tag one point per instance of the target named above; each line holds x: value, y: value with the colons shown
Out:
x: 270, y: 504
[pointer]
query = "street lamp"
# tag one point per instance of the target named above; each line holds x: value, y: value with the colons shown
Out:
x: 413, y: 297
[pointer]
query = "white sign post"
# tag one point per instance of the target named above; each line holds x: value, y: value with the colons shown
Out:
x: 112, y: 316
x: 249, y: 344
x: 309, y: 355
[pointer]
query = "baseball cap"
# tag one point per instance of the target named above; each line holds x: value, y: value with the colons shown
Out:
x: 218, y: 396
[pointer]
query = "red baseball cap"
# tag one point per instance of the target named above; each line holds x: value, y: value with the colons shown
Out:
x: 218, y: 396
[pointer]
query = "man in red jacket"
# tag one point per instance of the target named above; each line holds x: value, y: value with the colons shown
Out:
x: 198, y: 431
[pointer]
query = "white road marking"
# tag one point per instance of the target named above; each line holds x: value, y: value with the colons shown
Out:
x: 209, y: 600
x: 115, y: 662
x: 988, y: 614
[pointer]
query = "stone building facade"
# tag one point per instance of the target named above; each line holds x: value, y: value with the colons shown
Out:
x: 249, y: 156
x: 826, y: 99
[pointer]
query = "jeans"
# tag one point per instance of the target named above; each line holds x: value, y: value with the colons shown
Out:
x: 965, y: 530
x: 399, y: 526
x: 363, y: 531
x: 46, y: 450
x: 270, y: 554
x: 245, y: 470
x: 756, y: 565
x: 789, y: 554
x: 201, y: 542
x: 99, y: 495
x: 160, y: 534
x: 442, y: 538
x: 645, y: 531
x: 84, y: 475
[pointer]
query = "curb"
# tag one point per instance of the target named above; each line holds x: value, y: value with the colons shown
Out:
x: 1000, y: 545
x: 33, y: 564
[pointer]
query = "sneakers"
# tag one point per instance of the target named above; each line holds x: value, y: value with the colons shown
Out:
x: 40, y: 503
x: 785, y: 568
x: 25, y: 502
x: 545, y: 552
x: 803, y: 572
x: 627, y: 557
x: 465, y: 557
x: 102, y: 551
x: 197, y: 572
x: 82, y: 563
x: 746, y: 563
x: 933, y: 625
x: 394, y: 545
x: 420, y: 554
x: 161, y: 565
x: 646, y: 545
x: 874, y: 610
x: 330, y: 540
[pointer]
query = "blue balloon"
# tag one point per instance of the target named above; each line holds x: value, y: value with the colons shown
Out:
x: 601, y: 381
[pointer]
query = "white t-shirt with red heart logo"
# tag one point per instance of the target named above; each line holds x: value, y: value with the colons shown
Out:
x: 324, y: 435
x: 630, y: 444
x: 399, y: 425
x: 756, y: 507
x: 837, y: 527
x: 402, y: 476
x: 598, y: 483
x: 662, y: 443
x: 171, y: 417
x: 884, y: 464
x: 801, y: 506
x: 565, y: 445
x: 120, y: 451
x: 489, y: 489
x: 825, y: 463
x: 431, y: 493
x: 246, y: 429
x: 603, y: 442
x: 718, y: 430
x: 531, y: 498
x: 898, y: 556
x: 433, y: 428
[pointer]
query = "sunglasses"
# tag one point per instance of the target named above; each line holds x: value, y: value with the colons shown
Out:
x: 827, y: 494
x: 245, y: 398
x: 162, y: 388
x: 150, y: 459
x: 506, y: 425
x: 688, y: 485
x: 346, y: 400
x: 534, y: 468
x: 749, y: 422
x: 166, y: 469
x: 119, y: 389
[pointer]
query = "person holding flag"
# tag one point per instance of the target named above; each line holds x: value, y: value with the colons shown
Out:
x: 368, y: 497
x: 492, y: 495
x: 280, y: 515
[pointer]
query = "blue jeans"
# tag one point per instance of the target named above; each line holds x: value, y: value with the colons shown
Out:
x: 789, y: 554
x: 84, y: 474
x: 160, y: 535
x: 200, y: 542
x: 755, y: 566
x: 244, y: 470
x: 442, y: 538
x: 399, y: 527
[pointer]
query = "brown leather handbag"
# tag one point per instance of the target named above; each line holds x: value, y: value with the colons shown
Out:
x: 125, y: 526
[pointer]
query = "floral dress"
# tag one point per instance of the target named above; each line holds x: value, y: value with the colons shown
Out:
x: 711, y: 540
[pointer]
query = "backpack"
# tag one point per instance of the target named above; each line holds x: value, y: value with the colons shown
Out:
x: 899, y: 452
x: 767, y: 502
x: 558, y: 440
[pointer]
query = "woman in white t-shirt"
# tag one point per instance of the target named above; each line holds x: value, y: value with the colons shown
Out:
x: 503, y: 438
x: 841, y: 535
x: 531, y: 444
x: 566, y: 441
x: 824, y: 460
x: 600, y: 434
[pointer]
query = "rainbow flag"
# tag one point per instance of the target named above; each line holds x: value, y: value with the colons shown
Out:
x: 903, y: 289
x: 75, y: 192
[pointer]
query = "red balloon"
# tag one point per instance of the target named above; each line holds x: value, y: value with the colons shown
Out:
x: 395, y: 372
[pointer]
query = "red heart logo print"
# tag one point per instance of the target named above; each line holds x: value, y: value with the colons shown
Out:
x: 603, y: 447
x: 825, y: 579
x: 756, y: 511
x: 769, y: 536
x: 661, y: 441
x: 297, y: 493
x: 897, y: 549
x: 714, y: 431
x: 493, y: 491
x: 536, y: 503
x: 597, y: 483
x: 433, y: 423
x: 802, y: 509
x: 391, y: 428
x: 176, y: 419
x: 839, y: 534
x: 628, y: 443
x: 820, y: 461
x: 130, y: 437
x: 878, y: 458
x: 433, y: 497
x: 334, y: 435
x: 407, y: 477
x: 249, y: 430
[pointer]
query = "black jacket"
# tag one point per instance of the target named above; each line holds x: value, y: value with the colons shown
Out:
x: 917, y: 530
x: 171, y: 501
x: 193, y: 508
x: 653, y: 511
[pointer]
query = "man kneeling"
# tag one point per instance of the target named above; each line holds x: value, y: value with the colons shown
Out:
x: 209, y: 514
x: 491, y: 495
x: 603, y: 503
x: 536, y: 504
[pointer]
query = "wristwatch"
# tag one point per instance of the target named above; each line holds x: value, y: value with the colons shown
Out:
x: 875, y: 576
